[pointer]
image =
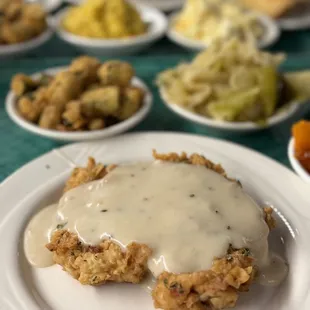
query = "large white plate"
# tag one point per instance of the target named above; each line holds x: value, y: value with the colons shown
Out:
x: 11, y: 108
x: 40, y: 182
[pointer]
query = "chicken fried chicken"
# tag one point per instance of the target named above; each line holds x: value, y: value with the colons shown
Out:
x: 214, y: 289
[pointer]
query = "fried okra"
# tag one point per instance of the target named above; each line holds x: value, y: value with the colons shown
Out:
x: 22, y: 84
x: 66, y: 86
x: 31, y: 104
x: 96, y: 124
x: 87, y: 96
x: 21, y: 22
x: 116, y: 73
x: 50, y: 117
x: 132, y: 98
x: 72, y: 118
x: 101, y: 102
x: 28, y: 109
x: 87, y: 67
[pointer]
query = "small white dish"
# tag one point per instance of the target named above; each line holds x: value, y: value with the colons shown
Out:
x: 298, y: 168
x: 157, y: 26
x: 270, y: 36
x: 277, y: 118
x: 49, y: 5
x: 298, y: 18
x: 268, y: 182
x: 163, y: 5
x: 10, y: 105
x: 14, y: 50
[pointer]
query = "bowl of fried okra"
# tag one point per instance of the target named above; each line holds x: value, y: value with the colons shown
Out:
x: 84, y: 101
x: 23, y: 27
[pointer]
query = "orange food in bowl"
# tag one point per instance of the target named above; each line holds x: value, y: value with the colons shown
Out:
x: 301, y: 133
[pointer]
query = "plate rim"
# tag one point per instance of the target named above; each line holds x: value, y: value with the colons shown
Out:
x: 176, y: 134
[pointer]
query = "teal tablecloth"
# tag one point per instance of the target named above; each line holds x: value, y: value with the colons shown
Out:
x: 17, y: 146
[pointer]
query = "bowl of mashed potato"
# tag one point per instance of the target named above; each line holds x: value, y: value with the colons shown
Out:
x: 201, y: 23
x: 106, y: 28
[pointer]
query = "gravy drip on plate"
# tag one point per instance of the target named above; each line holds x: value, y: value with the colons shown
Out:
x: 187, y: 214
x: 38, y: 234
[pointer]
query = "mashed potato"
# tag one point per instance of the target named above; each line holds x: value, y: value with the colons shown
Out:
x: 207, y: 21
x: 104, y: 19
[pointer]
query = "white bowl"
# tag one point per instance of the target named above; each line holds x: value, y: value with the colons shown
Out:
x: 163, y: 5
x: 270, y: 36
x: 10, y: 105
x: 49, y: 5
x: 298, y: 168
x: 296, y: 19
x: 277, y: 118
x: 13, y: 50
x: 117, y: 47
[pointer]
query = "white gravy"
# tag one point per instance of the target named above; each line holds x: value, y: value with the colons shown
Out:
x: 187, y: 214
x: 37, y: 235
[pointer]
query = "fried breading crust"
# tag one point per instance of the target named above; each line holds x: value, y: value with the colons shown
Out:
x: 96, y: 265
x: 216, y: 288
x: 194, y: 159
x: 270, y: 220
x: 91, y: 172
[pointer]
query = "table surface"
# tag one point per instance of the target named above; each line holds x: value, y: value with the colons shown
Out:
x: 18, y: 146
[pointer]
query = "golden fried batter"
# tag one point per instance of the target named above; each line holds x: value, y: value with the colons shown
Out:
x: 194, y: 159
x: 96, y: 265
x: 116, y: 73
x: 87, y: 67
x: 216, y: 288
x: 66, y: 86
x: 96, y: 124
x: 72, y: 116
x: 20, y: 21
x: 21, y: 84
x: 132, y: 101
x: 91, y: 172
x: 271, y: 222
x: 50, y: 117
